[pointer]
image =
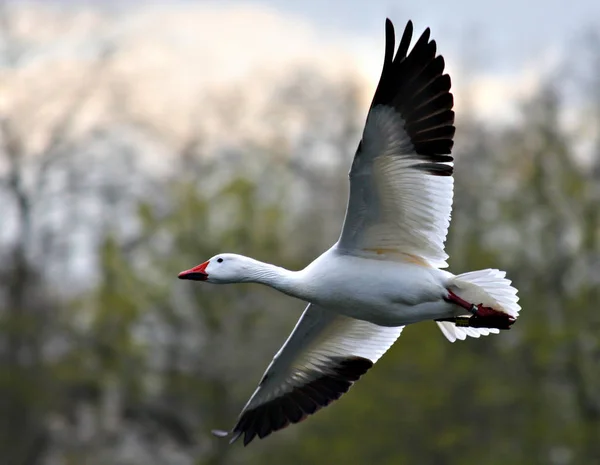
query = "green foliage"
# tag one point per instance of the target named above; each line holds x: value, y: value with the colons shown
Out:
x: 162, y: 362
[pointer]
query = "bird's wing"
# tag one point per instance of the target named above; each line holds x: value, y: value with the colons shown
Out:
x: 401, y: 181
x: 325, y: 354
x: 453, y: 332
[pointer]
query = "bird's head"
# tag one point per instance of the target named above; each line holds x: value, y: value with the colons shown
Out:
x: 221, y: 269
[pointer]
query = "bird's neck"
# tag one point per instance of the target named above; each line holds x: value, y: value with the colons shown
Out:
x: 279, y: 278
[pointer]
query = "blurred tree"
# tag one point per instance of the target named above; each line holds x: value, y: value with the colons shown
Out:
x: 52, y: 174
x: 524, y: 204
x: 196, y: 337
x: 106, y: 358
x: 27, y: 190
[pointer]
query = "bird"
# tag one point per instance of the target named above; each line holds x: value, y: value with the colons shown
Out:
x: 386, y: 269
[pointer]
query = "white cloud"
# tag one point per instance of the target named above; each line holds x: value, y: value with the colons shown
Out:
x: 495, y: 97
x: 173, y: 57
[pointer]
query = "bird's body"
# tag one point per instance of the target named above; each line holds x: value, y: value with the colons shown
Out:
x: 384, y: 292
x: 384, y: 272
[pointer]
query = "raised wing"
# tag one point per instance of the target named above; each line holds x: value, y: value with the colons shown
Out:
x: 401, y: 183
x: 325, y: 354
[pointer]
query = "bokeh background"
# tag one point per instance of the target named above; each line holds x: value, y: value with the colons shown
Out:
x: 138, y: 139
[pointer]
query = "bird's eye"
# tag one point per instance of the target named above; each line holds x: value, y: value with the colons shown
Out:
x: 219, y: 260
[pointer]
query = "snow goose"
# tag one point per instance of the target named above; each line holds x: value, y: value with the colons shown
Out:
x: 384, y: 271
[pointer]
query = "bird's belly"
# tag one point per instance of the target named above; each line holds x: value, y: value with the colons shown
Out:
x: 385, y: 308
x: 385, y: 293
x: 399, y: 314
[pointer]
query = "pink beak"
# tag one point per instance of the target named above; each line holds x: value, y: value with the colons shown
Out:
x: 198, y: 273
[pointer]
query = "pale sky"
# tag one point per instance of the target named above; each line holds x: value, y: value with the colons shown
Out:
x: 507, y: 46
x: 172, y: 53
x: 504, y: 48
x: 511, y: 31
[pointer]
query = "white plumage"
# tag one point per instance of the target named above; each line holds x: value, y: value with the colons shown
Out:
x: 394, y: 207
x: 385, y: 270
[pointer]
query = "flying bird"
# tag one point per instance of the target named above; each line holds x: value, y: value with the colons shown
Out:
x: 385, y: 271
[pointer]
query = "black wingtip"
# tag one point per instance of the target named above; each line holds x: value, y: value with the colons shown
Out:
x: 235, y: 435
x: 297, y: 404
x: 389, y: 30
x: 389, y: 23
x: 390, y: 42
x: 414, y: 84
x: 405, y: 41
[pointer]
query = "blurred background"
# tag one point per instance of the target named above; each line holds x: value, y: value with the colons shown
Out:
x: 138, y: 139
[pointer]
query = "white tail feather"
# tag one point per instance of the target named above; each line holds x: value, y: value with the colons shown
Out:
x: 488, y: 287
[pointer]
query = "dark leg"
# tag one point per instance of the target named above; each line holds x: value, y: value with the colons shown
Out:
x: 483, y: 317
x: 454, y: 299
x: 504, y: 322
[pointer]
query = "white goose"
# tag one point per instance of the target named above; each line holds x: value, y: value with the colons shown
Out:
x: 384, y: 271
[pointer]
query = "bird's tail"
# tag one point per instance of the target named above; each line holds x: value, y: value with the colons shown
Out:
x: 488, y: 288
